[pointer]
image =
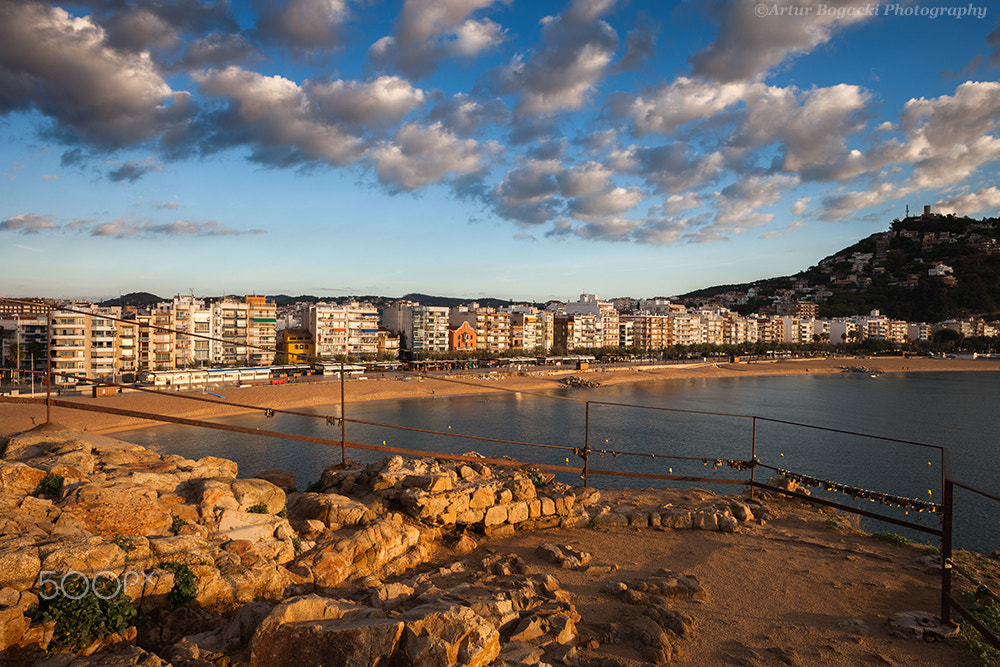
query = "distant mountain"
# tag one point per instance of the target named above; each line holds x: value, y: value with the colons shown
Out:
x: 451, y: 302
x: 925, y: 268
x: 138, y: 299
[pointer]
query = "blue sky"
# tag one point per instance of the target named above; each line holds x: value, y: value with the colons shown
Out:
x: 521, y: 150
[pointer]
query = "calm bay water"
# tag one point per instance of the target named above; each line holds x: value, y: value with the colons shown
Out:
x: 951, y: 409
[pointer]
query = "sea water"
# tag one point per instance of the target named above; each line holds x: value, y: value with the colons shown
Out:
x: 700, y: 422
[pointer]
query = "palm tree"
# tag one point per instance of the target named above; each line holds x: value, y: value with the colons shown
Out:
x: 15, y: 353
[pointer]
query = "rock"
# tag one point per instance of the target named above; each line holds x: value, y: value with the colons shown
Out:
x: 449, y: 634
x: 87, y: 556
x: 565, y: 557
x: 213, y: 466
x: 19, y: 478
x: 334, y: 510
x: 283, y: 479
x: 363, y: 553
x: 249, y: 526
x: 677, y: 519
x: 301, y: 618
x: 920, y: 625
x: 787, y: 484
x: 255, y: 492
x: 213, y: 496
x: 186, y: 549
x: 359, y: 643
x: 705, y: 520
x: 119, y: 508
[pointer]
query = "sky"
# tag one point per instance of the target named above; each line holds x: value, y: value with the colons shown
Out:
x: 471, y: 148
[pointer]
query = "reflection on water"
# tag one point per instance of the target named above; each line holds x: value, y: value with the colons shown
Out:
x: 952, y: 409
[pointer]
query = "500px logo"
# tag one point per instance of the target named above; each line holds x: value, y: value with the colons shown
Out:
x: 74, y: 585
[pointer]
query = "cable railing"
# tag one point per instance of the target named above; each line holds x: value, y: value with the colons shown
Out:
x: 751, y: 462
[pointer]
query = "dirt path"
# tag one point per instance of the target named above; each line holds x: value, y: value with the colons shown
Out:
x: 793, y: 591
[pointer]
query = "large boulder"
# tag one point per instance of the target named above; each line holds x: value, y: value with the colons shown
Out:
x: 119, y: 508
x: 449, y: 634
x: 250, y: 526
x: 256, y: 492
x: 20, y: 562
x: 388, y: 545
x: 334, y: 510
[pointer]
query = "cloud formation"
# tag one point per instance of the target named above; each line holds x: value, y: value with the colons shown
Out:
x: 557, y: 122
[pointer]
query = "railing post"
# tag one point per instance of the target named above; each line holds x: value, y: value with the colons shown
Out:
x: 586, y: 443
x: 343, y: 422
x: 48, y: 369
x: 753, y: 460
x: 946, y: 531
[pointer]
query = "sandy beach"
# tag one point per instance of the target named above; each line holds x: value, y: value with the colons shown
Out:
x: 16, y: 417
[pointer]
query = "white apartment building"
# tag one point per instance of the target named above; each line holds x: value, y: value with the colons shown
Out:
x: 596, y: 322
x: 343, y: 331
x: 191, y: 316
x: 422, y: 328
x: 229, y: 328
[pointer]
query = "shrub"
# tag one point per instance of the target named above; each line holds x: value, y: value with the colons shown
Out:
x: 176, y: 523
x: 891, y: 538
x: 259, y: 508
x: 124, y: 543
x: 185, y: 586
x: 315, y: 487
x: 989, y: 614
x: 84, y: 613
x: 50, y: 485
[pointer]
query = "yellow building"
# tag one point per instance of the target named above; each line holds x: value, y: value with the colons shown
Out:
x: 296, y: 346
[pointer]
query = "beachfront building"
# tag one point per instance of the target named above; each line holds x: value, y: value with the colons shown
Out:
x: 295, y: 346
x: 530, y: 329
x: 343, y: 330
x: 492, y: 326
x: 388, y: 344
x: 90, y: 342
x: 229, y: 328
x: 598, y: 321
x: 421, y: 328
x: 650, y: 331
x: 193, y: 321
x: 24, y: 337
x: 461, y: 337
x: 685, y: 329
x: 261, y: 335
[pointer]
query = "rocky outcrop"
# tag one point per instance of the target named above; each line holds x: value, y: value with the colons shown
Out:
x: 325, y: 576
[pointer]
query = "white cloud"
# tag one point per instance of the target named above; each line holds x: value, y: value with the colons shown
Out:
x: 382, y: 101
x: 574, y: 55
x: 985, y: 202
x: 27, y: 223
x: 63, y: 66
x: 431, y: 30
x: 273, y: 114
x: 752, y: 40
x: 418, y: 156
x: 303, y: 24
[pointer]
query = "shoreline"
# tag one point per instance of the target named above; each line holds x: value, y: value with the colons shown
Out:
x: 17, y: 417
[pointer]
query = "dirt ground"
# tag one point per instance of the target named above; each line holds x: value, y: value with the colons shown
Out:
x: 793, y: 591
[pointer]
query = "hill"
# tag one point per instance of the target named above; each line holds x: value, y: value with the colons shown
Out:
x: 925, y: 268
x: 137, y: 299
